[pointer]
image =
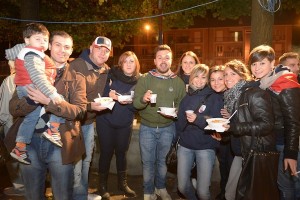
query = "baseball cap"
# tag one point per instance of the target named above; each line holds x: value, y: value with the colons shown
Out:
x: 102, y: 42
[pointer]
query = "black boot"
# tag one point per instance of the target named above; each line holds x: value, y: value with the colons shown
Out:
x: 103, y: 186
x: 122, y: 182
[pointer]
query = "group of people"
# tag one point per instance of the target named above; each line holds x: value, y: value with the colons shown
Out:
x: 54, y: 102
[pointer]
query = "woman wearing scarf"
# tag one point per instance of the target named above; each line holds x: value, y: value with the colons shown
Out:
x: 254, y: 114
x: 114, y: 126
x: 195, y: 145
x: 285, y: 91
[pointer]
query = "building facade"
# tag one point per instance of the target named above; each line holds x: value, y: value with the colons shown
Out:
x: 214, y: 45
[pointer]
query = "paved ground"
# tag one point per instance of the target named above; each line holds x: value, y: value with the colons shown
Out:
x: 135, y: 182
x: 135, y: 179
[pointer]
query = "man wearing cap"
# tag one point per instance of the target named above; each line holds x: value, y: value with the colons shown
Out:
x: 91, y: 63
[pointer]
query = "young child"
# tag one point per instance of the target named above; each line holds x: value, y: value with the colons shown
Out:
x: 35, y: 69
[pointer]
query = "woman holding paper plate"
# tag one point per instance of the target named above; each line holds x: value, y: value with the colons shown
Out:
x: 224, y: 153
x: 195, y: 145
x: 114, y: 126
x: 254, y: 114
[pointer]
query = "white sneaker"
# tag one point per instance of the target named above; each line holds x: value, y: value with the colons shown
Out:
x: 94, y: 197
x: 163, y: 194
x: 150, y: 197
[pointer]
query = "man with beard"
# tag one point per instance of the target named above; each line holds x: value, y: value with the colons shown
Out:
x: 157, y: 130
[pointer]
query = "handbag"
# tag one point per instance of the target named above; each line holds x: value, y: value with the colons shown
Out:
x: 258, y: 179
x: 171, y: 159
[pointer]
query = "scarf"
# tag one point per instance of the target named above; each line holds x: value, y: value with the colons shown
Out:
x: 231, y: 95
x: 118, y: 74
x: 154, y: 73
x: 59, y: 73
x: 279, y: 79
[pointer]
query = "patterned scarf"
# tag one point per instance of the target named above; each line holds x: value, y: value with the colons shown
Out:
x: 158, y: 75
x: 231, y: 95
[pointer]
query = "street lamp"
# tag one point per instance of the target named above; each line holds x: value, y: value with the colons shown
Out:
x: 147, y: 28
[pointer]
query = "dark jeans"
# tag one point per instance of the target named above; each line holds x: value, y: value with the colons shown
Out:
x: 113, y: 140
x: 225, y: 158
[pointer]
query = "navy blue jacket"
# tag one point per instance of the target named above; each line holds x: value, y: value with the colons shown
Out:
x: 121, y: 115
x: 192, y: 135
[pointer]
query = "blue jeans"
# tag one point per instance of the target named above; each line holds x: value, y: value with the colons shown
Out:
x: 155, y: 143
x: 54, y: 118
x: 287, y: 184
x: 82, y: 167
x: 205, y: 160
x: 27, y: 127
x: 45, y: 155
x: 234, y: 176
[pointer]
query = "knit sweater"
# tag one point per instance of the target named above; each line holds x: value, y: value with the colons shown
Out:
x: 33, y: 66
x: 168, y: 89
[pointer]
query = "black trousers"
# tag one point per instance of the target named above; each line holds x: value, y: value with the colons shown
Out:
x: 113, y: 140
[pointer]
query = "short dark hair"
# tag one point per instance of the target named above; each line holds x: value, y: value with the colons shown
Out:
x: 34, y: 28
x: 287, y: 55
x: 59, y: 33
x: 261, y: 52
x: 161, y: 48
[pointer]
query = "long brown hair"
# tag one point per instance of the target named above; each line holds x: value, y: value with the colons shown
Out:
x: 240, y: 68
x: 179, y: 70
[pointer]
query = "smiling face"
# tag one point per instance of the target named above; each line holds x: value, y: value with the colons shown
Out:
x: 231, y: 77
x: 217, y: 81
x: 261, y: 68
x: 163, y: 61
x: 99, y: 55
x: 187, y: 63
x: 60, y: 49
x: 200, y: 80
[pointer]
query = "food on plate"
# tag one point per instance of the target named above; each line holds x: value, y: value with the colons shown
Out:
x: 104, y: 101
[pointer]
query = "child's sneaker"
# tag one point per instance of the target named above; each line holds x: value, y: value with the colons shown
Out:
x: 20, y: 155
x: 53, y: 137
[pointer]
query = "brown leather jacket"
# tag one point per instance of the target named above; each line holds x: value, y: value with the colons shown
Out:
x: 95, y: 84
x: 72, y: 86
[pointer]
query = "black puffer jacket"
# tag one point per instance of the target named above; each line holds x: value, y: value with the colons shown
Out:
x: 254, y: 114
x: 286, y: 106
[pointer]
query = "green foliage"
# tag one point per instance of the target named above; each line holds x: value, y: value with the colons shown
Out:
x: 69, y: 11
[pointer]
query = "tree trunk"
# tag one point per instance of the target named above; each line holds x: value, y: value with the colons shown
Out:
x: 262, y: 23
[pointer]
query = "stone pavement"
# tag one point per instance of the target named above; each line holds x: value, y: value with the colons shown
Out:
x: 135, y: 182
